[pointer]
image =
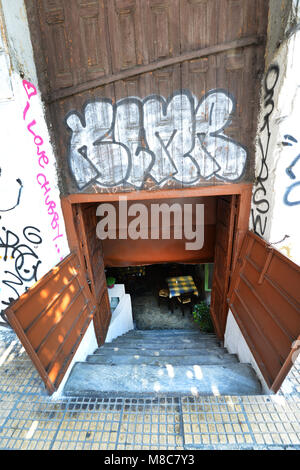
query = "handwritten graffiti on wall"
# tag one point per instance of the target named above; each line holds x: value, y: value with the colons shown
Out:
x: 25, y: 262
x: 261, y: 206
x: 10, y: 187
x: 43, y: 160
x: 292, y: 194
x: 20, y: 261
x: 177, y: 138
x: 16, y: 197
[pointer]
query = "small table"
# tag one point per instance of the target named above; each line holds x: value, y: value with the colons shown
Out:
x: 181, y: 285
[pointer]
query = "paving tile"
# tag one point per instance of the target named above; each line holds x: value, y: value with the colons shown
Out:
x: 31, y: 420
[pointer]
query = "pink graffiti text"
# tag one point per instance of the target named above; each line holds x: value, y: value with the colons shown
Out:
x: 43, y: 161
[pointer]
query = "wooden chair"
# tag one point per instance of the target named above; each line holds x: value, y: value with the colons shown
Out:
x: 186, y: 299
x: 163, y: 295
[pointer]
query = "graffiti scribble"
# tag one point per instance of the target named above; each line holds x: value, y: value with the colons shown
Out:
x: 291, y: 138
x: 259, y: 213
x: 291, y: 174
x: 294, y: 187
x: 22, y: 253
x: 43, y: 161
x: 16, y: 194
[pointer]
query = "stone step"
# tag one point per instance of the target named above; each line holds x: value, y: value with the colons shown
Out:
x: 161, y: 361
x: 183, y: 343
x: 167, y: 332
x: 171, y: 338
x: 87, y: 379
x: 159, y: 351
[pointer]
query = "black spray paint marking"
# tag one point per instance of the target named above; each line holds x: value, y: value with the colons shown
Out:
x: 259, y: 214
x: 25, y: 260
x: 17, y: 197
x: 177, y: 138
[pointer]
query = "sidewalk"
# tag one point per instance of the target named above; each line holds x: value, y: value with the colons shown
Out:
x: 30, y: 419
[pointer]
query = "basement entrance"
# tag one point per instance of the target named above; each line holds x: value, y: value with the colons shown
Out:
x: 258, y: 283
x: 167, y: 352
x: 224, y: 222
x: 221, y: 227
x: 152, y: 306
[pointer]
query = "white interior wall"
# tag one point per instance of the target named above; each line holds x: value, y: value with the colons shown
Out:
x: 121, y: 320
x: 87, y: 346
x: 235, y: 343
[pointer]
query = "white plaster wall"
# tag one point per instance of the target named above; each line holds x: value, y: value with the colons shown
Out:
x: 25, y: 206
x: 276, y: 194
x: 121, y: 320
x: 285, y: 211
x: 117, y: 291
x: 235, y: 343
x: 87, y: 346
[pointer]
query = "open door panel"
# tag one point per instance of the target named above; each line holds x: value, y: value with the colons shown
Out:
x: 51, y: 318
x: 92, y: 256
x: 225, y: 224
x: 264, y: 298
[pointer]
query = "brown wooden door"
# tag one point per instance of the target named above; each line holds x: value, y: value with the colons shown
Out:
x: 105, y: 51
x: 51, y: 318
x: 265, y: 301
x: 225, y: 225
x: 92, y: 255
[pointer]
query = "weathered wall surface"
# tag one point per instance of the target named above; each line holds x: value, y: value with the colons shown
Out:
x: 32, y: 233
x: 184, y: 139
x: 150, y: 94
x: 276, y: 194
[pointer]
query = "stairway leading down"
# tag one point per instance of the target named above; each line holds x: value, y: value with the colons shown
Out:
x: 168, y: 362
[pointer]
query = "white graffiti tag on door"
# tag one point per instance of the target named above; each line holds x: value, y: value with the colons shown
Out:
x: 176, y: 138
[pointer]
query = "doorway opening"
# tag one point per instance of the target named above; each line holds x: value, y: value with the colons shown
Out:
x: 225, y: 222
x: 154, y: 304
x: 249, y: 278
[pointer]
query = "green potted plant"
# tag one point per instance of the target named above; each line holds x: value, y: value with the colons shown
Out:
x: 201, y: 315
x: 110, y: 281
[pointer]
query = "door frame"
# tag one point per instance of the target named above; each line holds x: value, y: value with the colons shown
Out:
x: 242, y: 190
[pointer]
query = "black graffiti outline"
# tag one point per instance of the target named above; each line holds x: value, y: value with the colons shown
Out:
x: 18, y: 252
x: 18, y: 197
x: 260, y: 180
x: 142, y: 138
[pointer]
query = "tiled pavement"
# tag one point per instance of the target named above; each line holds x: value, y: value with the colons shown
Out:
x: 30, y: 419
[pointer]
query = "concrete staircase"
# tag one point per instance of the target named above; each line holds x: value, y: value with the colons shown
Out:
x: 168, y: 362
